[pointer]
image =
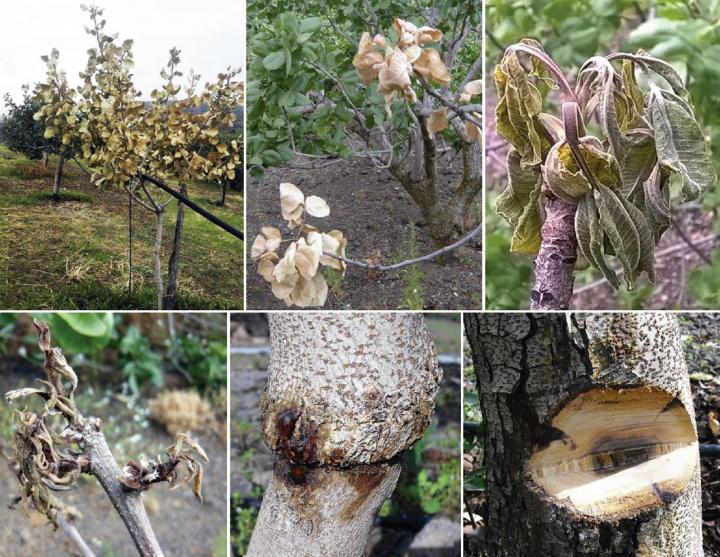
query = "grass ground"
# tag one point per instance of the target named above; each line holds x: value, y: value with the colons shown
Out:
x: 73, y: 255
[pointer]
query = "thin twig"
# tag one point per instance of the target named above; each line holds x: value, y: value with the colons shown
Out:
x: 476, y: 231
x: 75, y: 536
x: 689, y: 242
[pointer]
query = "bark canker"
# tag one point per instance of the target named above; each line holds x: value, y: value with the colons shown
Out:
x: 555, y: 262
x: 347, y: 394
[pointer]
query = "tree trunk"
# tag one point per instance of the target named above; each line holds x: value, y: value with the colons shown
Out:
x: 223, y: 190
x: 46, y: 158
x: 555, y: 263
x: 129, y: 505
x: 130, y: 245
x: 347, y: 394
x: 590, y: 440
x: 58, y: 177
x: 174, y: 264
x: 157, y: 253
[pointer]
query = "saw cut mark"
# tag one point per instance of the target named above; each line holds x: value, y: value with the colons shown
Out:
x: 622, y: 452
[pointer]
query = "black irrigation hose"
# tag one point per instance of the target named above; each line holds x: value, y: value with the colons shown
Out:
x: 195, y: 207
x: 709, y: 450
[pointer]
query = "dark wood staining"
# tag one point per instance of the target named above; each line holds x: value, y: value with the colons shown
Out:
x: 673, y: 405
x: 547, y: 434
x: 665, y: 496
x: 297, y: 438
x: 365, y: 480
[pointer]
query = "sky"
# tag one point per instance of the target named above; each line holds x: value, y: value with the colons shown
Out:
x: 209, y: 33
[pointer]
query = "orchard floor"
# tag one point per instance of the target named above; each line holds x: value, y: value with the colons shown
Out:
x: 375, y: 214
x: 183, y: 526
x: 73, y: 255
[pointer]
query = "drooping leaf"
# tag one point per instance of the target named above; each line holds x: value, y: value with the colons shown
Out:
x: 519, y: 103
x: 526, y: 237
x: 640, y: 158
x: 680, y: 144
x: 646, y: 261
x: 620, y: 230
x: 591, y: 237
x: 522, y: 182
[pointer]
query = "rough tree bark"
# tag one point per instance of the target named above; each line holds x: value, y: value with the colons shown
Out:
x: 555, y: 262
x: 446, y: 216
x: 174, y: 263
x: 58, y: 177
x: 590, y: 443
x: 346, y: 396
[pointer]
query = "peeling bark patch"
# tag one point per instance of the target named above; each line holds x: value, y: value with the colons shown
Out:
x: 365, y: 480
x: 633, y: 450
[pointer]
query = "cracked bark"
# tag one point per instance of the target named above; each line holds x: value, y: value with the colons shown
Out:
x: 528, y: 368
x: 347, y: 394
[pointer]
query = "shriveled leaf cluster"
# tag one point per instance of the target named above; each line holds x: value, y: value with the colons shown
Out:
x: 47, y: 461
x: 183, y: 453
x: 410, y: 55
x: 120, y: 136
x: 296, y: 277
x: 620, y: 181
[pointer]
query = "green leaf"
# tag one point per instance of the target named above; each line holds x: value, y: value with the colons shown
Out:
x: 310, y: 24
x: 274, y: 60
x: 81, y: 332
x: 680, y: 143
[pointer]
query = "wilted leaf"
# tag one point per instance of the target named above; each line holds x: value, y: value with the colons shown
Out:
x: 591, y: 238
x: 519, y: 103
x: 316, y: 206
x: 366, y: 59
x: 438, y: 121
x: 680, y: 143
x: 522, y: 183
x: 620, y: 230
x: 526, y: 236
x: 431, y: 66
x: 470, y: 90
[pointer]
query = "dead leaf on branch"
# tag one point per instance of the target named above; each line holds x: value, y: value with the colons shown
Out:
x: 296, y: 277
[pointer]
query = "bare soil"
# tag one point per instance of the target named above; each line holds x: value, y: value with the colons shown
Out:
x: 375, y: 214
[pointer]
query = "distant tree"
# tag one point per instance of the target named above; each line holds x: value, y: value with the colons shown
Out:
x: 23, y: 134
x: 19, y: 131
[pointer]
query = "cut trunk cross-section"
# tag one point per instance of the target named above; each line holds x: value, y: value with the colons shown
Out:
x: 616, y: 453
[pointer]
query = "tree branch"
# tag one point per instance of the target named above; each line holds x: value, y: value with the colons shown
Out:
x: 409, y: 262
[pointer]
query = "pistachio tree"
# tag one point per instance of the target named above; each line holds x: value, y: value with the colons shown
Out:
x: 578, y: 196
x: 54, y: 444
x: 355, y: 80
x: 132, y: 144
